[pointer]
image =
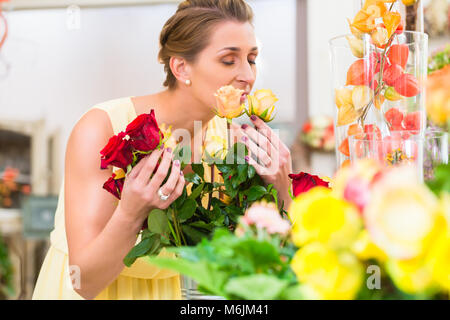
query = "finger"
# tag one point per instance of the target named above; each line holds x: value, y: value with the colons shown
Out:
x: 147, y: 164
x: 269, y: 133
x: 260, y: 137
x: 260, y: 154
x: 237, y: 133
x: 163, y: 169
x: 260, y: 170
x: 178, y: 188
x: 171, y: 183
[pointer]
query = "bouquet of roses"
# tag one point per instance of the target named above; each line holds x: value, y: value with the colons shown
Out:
x: 188, y: 220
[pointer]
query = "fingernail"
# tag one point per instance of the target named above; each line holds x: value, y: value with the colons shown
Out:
x: 176, y: 163
x: 169, y: 150
x: 253, y: 118
x: 247, y: 158
x: 244, y: 126
x: 244, y: 138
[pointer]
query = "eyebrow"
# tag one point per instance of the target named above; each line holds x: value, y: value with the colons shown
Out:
x: 236, y: 49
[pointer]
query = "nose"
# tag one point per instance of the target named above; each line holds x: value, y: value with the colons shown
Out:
x: 247, y: 75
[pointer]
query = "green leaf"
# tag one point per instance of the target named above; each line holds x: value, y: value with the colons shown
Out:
x: 251, y: 171
x: 187, y: 210
x: 192, y: 177
x: 256, y: 287
x: 139, y: 250
x: 197, y: 191
x: 195, y: 235
x: 274, y: 193
x: 203, y: 273
x: 242, y: 172
x: 157, y: 221
x: 224, y: 168
x: 296, y: 292
x: 183, y: 154
x: 198, y: 169
x: 202, y: 224
x: 255, y: 193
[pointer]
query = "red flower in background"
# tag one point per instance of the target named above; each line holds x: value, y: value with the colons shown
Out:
x: 117, y: 152
x: 302, y: 182
x: 144, y: 132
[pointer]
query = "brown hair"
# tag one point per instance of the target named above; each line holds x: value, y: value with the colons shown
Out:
x: 187, y: 32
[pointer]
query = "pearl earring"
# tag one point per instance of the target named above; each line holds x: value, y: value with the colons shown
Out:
x: 188, y: 82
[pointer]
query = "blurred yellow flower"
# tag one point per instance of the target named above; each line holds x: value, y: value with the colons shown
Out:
x: 169, y: 139
x: 439, y: 256
x: 401, y: 215
x: 365, y: 249
x: 317, y: 215
x: 261, y: 104
x: 228, y: 102
x: 327, y: 274
x: 410, y: 276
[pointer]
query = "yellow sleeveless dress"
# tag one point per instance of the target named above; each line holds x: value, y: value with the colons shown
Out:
x: 141, y: 281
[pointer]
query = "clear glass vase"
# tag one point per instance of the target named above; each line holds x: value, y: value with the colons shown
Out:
x: 377, y: 90
x: 425, y: 150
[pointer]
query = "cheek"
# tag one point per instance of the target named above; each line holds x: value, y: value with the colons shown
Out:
x: 208, y: 79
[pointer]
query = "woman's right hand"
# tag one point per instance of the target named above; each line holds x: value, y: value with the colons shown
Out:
x: 140, y: 193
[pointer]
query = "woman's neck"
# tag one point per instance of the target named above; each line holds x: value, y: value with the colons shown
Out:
x: 180, y: 110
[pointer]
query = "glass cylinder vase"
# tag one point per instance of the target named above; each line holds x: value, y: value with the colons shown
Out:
x: 376, y: 89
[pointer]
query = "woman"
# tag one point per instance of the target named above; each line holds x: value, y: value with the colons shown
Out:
x: 205, y: 45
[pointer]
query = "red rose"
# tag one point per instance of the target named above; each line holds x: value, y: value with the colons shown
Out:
x: 114, y: 186
x: 144, y: 132
x: 117, y: 152
x: 302, y: 182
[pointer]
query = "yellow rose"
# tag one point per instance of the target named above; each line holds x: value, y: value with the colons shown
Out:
x: 228, y: 102
x: 365, y: 249
x: 439, y: 255
x: 401, y: 215
x: 327, y: 274
x: 317, y: 215
x: 410, y: 276
x: 261, y: 104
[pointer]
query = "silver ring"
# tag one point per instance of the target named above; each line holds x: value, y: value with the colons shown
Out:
x: 162, y: 196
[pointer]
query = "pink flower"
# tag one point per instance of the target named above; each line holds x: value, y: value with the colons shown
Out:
x: 266, y: 216
x: 357, y: 191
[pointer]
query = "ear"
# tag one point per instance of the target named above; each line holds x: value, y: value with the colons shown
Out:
x: 180, y: 68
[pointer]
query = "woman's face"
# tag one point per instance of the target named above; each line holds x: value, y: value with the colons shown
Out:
x: 229, y: 59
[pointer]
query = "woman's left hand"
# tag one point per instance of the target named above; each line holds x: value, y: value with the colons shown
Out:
x: 274, y: 157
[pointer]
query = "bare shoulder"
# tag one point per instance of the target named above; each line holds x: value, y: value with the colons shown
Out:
x: 88, y: 137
